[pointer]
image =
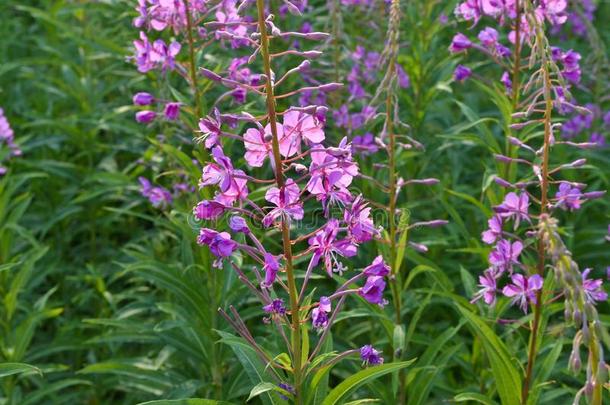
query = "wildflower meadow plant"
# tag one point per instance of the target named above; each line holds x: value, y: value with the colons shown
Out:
x: 308, y: 181
x: 8, y: 147
x: 523, y: 230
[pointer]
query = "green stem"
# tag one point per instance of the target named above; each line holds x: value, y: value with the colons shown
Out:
x: 531, y: 358
x: 279, y: 179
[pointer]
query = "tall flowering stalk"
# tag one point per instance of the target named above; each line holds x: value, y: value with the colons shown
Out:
x: 7, y: 138
x: 392, y: 142
x: 306, y: 173
x: 545, y: 92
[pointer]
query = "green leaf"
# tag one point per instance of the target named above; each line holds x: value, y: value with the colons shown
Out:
x: 362, y: 377
x: 263, y: 387
x: 186, y: 401
x: 507, y: 377
x: 471, y: 397
x: 7, y: 369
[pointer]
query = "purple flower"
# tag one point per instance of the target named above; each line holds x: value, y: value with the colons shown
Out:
x: 208, y: 209
x: 220, y: 243
x: 145, y: 116
x: 462, y: 73
x: 495, y: 230
x: 149, y: 56
x: 287, y: 201
x: 403, y: 78
x: 172, y: 111
x: 469, y: 10
x: 332, y: 171
x: 143, y: 98
x: 319, y: 315
x: 568, y: 197
x: 593, y: 288
x: 514, y: 207
x: 523, y: 289
x: 326, y: 246
x: 360, y: 226
x: 159, y: 197
x: 377, y: 268
x: 507, y: 82
x: 370, y: 356
x: 460, y: 43
x: 276, y: 307
x: 210, y: 129
x: 487, y: 282
x: 488, y: 37
x: 271, y: 267
x: 232, y: 186
x: 364, y: 144
x: 505, y: 255
x: 372, y: 291
x: 238, y: 224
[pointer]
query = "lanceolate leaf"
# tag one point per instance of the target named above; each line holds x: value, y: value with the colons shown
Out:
x: 187, y: 401
x: 362, y: 377
x: 7, y: 369
x: 503, y: 366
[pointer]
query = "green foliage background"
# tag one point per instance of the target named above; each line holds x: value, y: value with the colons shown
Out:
x: 105, y: 300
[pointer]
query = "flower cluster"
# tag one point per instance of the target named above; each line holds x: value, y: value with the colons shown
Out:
x: 7, y: 137
x: 171, y: 110
x: 518, y: 29
x: 307, y: 174
x: 363, y: 73
x: 535, y: 233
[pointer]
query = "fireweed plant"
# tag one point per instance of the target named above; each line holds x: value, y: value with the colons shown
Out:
x: 390, y: 79
x: 290, y: 144
x: 523, y: 231
x: 8, y: 147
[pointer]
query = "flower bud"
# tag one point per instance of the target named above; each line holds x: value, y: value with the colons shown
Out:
x: 317, y: 36
x: 146, y: 116
x: 304, y: 66
x: 575, y: 363
x: 331, y: 87
x: 172, y: 111
x: 207, y: 73
x: 143, y: 98
x: 312, y: 54
x: 594, y: 194
x: 299, y: 168
x: 502, y: 183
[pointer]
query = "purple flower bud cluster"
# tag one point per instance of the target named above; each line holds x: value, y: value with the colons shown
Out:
x: 171, y: 110
x: 7, y: 137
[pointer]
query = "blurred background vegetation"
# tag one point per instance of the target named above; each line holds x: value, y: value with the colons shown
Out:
x: 110, y: 301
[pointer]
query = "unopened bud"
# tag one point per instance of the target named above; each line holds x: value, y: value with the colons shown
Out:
x: 312, y: 54
x: 594, y: 194
x: 331, y: 87
x: 574, y: 363
x: 299, y: 168
x: 305, y: 65
x: 502, y: 183
x: 207, y: 73
x: 317, y: 36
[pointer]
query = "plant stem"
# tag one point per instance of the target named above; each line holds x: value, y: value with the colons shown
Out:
x: 531, y: 358
x: 279, y: 179
x: 515, y: 87
x: 192, y: 67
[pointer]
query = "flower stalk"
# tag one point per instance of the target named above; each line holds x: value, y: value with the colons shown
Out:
x: 279, y: 178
